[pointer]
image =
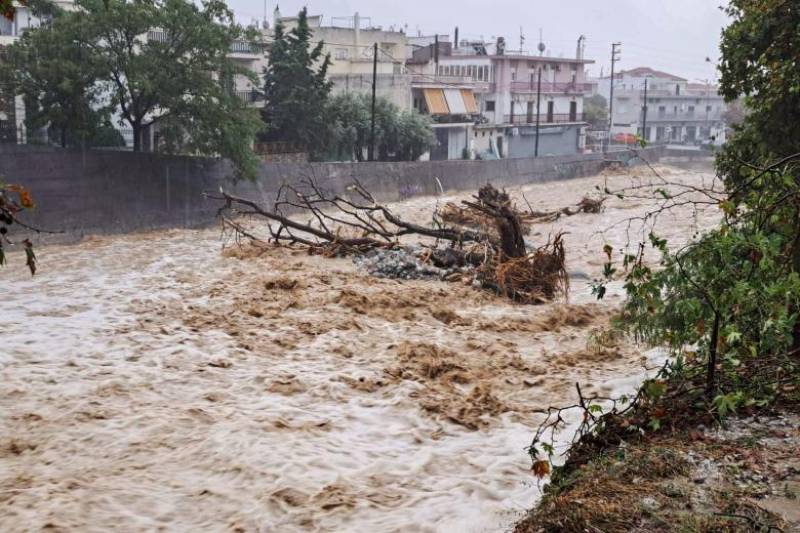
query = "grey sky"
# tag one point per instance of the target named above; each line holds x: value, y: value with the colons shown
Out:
x: 671, y: 35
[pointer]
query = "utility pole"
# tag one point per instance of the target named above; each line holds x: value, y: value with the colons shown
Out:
x: 644, y: 111
x: 436, y: 54
x: 538, y: 107
x: 614, y: 58
x: 371, y: 152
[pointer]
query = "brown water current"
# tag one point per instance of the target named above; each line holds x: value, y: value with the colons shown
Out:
x: 153, y: 382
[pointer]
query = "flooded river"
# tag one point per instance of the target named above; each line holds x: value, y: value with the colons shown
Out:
x: 153, y: 382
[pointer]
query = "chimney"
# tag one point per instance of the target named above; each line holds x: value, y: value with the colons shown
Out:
x: 455, y: 43
x: 581, y: 47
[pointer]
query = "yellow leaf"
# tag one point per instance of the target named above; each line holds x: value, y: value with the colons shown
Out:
x: 541, y: 468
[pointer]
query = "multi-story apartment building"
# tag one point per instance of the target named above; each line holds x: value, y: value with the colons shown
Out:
x: 677, y: 111
x: 350, y: 42
x: 509, y: 96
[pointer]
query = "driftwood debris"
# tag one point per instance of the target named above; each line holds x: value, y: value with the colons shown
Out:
x: 492, y: 252
x: 586, y: 205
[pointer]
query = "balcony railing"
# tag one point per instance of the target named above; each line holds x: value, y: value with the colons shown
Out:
x: 249, y: 97
x: 244, y: 47
x: 549, y: 87
x: 237, y: 47
x: 544, y: 118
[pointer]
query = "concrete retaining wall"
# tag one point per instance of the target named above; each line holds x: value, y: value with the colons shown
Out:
x: 95, y: 192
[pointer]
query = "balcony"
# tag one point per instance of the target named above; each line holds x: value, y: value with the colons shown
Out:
x: 558, y: 118
x: 549, y: 87
x: 245, y: 48
x: 249, y: 97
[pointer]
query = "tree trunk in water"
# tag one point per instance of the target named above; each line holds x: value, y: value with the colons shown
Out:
x: 511, y: 236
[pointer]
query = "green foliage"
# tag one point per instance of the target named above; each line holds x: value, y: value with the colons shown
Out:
x: 595, y: 111
x: 756, y: 64
x: 99, y: 59
x: 295, y: 87
x: 56, y: 75
x: 14, y: 200
x: 727, y: 304
x: 399, y: 135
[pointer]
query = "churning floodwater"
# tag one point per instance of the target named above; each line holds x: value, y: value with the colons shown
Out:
x: 153, y: 382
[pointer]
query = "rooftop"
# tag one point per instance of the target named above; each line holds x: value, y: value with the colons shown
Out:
x: 647, y: 72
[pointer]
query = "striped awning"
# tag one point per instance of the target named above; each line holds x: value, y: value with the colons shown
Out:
x: 469, y: 101
x: 436, y: 102
x: 455, y: 102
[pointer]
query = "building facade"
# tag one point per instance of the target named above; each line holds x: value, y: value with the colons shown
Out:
x: 350, y: 42
x: 677, y: 111
x: 512, y: 90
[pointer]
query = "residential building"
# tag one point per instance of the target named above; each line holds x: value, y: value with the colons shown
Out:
x: 506, y: 86
x: 677, y: 111
x: 350, y: 42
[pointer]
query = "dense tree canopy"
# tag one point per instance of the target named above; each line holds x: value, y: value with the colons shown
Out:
x: 399, y: 135
x: 595, y: 111
x: 162, y: 63
x: 295, y: 87
x: 56, y: 75
x: 733, y: 295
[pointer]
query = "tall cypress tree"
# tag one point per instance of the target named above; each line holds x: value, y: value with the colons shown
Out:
x: 295, y: 87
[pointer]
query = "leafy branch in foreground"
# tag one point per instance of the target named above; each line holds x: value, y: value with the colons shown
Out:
x: 15, y: 199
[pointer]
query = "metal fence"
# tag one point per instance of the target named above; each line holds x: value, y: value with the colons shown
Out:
x: 544, y: 118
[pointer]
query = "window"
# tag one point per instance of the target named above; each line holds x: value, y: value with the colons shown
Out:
x: 708, y: 109
x: 691, y: 110
x: 490, y: 105
x: 341, y: 53
x: 514, y: 75
x: 574, y: 67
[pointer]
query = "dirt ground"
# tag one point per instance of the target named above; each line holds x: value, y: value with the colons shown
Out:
x: 742, y: 477
x: 158, y: 382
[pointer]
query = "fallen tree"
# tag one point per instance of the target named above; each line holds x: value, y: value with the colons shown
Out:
x: 494, y: 255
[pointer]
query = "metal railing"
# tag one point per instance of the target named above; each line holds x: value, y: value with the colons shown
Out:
x: 549, y: 87
x: 159, y: 36
x: 244, y: 47
x: 544, y: 118
x: 238, y: 46
x: 249, y: 97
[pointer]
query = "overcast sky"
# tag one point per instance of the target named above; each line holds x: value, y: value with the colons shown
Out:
x: 671, y: 35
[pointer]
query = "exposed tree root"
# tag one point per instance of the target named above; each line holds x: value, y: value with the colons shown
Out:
x: 486, y: 243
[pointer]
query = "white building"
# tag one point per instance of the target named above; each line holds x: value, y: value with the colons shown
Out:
x: 677, y: 111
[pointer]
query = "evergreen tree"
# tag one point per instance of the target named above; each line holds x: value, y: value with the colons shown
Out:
x: 295, y: 87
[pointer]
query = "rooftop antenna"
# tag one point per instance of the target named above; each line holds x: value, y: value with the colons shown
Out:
x: 541, y: 46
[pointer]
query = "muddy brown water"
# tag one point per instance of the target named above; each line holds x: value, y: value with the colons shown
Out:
x: 151, y: 382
